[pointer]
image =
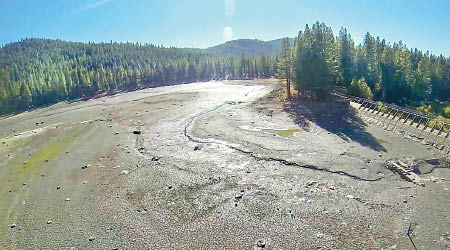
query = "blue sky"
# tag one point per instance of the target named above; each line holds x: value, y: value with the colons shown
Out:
x: 202, y: 23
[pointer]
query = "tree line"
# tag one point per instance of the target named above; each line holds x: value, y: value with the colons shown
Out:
x: 320, y: 62
x: 38, y: 72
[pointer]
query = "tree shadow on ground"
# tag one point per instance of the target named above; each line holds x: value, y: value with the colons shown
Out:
x: 335, y: 116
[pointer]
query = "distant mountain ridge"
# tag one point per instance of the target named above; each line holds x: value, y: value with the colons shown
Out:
x: 248, y: 47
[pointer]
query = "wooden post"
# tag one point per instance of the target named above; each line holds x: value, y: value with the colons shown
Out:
x: 432, y: 129
x: 401, y: 115
x: 393, y: 118
x: 418, y: 124
x: 424, y: 127
x: 409, y: 125
x: 440, y: 131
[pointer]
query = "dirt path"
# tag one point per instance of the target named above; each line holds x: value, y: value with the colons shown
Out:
x: 212, y: 165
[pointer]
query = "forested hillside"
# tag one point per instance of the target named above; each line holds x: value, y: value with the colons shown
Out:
x: 375, y: 69
x: 37, y: 72
x: 248, y: 47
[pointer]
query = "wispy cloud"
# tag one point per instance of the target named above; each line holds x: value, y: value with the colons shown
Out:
x: 230, y: 7
x: 92, y: 4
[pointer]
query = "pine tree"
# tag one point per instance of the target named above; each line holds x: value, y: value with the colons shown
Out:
x: 285, y: 65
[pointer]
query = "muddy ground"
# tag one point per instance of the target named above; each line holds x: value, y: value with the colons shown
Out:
x: 217, y: 165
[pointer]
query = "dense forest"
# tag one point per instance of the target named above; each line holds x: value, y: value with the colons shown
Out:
x: 37, y: 72
x: 320, y: 62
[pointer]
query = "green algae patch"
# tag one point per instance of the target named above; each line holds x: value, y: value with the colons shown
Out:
x: 23, y: 171
x: 288, y: 132
x: 282, y: 132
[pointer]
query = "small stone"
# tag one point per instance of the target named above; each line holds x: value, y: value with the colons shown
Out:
x: 24, y: 184
x: 58, y: 187
x: 261, y: 244
x: 13, y: 225
x: 198, y: 147
x: 124, y: 172
x: 67, y: 199
x: 137, y: 132
x: 154, y: 158
x: 405, y: 201
x: 170, y: 187
x: 116, y: 133
x: 49, y: 222
x: 238, y: 196
x: 320, y: 235
x: 91, y: 238
x: 85, y: 182
x: 349, y: 196
x: 310, y: 183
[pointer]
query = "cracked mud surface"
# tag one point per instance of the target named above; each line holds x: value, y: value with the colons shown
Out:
x: 210, y: 171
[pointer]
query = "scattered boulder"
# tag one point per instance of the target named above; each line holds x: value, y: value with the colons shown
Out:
x: 58, y: 187
x: 349, y: 196
x: 13, y: 225
x: 137, y: 132
x: 67, y: 199
x: 198, y: 147
x: 86, y: 166
x: 91, y: 238
x: 49, y: 222
x: 124, y: 172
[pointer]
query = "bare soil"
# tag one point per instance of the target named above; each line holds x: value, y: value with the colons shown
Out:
x: 217, y: 165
